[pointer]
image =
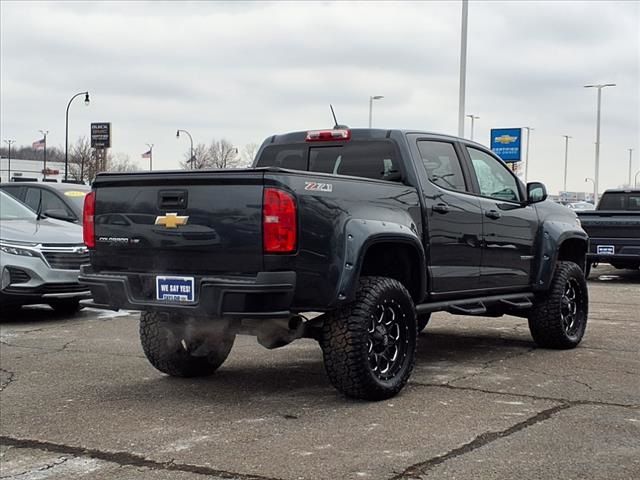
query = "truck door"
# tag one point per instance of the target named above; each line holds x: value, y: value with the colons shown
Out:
x: 509, y: 226
x: 452, y: 218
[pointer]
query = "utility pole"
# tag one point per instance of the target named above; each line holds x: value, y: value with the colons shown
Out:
x: 597, y: 175
x: 566, y: 158
x: 630, y: 163
x: 463, y: 67
x: 44, y: 170
x: 9, y: 142
x: 526, y: 161
x: 473, y: 118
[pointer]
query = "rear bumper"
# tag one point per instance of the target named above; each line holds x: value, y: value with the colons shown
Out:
x: 265, y: 295
x: 625, y: 250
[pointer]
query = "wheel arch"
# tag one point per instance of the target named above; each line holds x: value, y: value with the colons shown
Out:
x: 383, y: 249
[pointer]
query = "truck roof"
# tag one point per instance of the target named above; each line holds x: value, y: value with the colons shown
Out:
x: 365, y: 134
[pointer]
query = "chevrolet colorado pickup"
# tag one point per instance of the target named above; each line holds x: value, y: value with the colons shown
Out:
x: 370, y: 230
x: 614, y: 229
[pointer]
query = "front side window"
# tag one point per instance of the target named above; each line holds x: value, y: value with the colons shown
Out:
x: 494, y: 177
x: 442, y: 164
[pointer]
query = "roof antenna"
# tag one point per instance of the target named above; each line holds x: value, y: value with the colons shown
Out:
x: 336, y: 124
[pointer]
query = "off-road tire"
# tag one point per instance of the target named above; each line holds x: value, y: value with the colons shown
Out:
x: 423, y: 320
x: 349, y: 336
x: 166, y: 351
x: 550, y: 318
x: 66, y: 307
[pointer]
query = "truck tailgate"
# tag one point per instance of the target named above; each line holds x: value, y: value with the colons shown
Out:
x: 179, y: 222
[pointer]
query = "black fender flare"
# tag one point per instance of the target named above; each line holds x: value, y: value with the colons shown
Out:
x: 359, y: 236
x: 552, y: 235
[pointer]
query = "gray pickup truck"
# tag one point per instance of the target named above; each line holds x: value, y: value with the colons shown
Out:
x: 375, y: 229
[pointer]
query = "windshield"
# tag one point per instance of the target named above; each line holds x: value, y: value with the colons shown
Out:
x: 12, y: 209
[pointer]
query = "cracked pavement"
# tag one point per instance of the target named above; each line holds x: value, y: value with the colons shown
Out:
x: 78, y: 400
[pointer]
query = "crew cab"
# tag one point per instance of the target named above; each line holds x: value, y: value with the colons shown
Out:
x: 614, y: 229
x: 348, y: 236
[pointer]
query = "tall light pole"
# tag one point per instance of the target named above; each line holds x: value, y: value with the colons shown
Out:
x: 566, y: 159
x: 191, y: 140
x: 526, y: 160
x: 66, y: 132
x: 150, y: 145
x: 463, y: 67
x: 44, y: 168
x: 473, y: 119
x: 599, y: 87
x: 371, y: 99
x: 630, y: 163
x: 9, y: 142
x: 594, y: 187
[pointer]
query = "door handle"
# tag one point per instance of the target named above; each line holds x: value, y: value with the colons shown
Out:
x: 440, y: 208
x: 493, y: 214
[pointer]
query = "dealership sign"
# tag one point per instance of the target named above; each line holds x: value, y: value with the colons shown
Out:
x: 101, y: 135
x: 506, y: 143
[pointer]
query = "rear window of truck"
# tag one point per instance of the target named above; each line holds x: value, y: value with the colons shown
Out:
x: 377, y: 160
x: 620, y: 201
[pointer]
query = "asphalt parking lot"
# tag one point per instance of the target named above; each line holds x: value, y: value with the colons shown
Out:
x: 78, y: 400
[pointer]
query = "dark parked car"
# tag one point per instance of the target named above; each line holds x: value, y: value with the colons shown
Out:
x: 63, y: 201
x: 40, y: 259
x: 376, y: 229
x: 614, y: 229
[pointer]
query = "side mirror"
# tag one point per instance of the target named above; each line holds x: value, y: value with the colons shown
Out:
x: 59, y: 214
x: 536, y: 192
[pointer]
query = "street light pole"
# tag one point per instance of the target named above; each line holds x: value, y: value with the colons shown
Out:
x: 597, y: 175
x: 44, y: 170
x: 371, y: 99
x: 9, y: 142
x: 463, y: 67
x: 191, y: 161
x: 594, y: 187
x: 150, y: 145
x: 66, y: 132
x: 630, y: 163
x: 566, y: 158
x: 473, y: 118
x: 526, y: 161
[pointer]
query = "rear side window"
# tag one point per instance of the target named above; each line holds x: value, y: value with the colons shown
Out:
x: 372, y: 159
x: 442, y: 164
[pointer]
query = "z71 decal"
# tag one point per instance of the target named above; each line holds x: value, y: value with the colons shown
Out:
x: 318, y: 187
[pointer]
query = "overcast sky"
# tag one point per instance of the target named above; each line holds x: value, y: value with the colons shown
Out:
x: 243, y: 71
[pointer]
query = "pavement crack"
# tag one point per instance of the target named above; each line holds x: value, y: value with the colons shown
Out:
x: 634, y: 406
x: 6, y: 378
x: 415, y: 471
x: 127, y: 459
x: 489, y: 363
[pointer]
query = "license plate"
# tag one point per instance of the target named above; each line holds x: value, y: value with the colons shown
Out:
x: 175, y: 289
x: 606, y: 250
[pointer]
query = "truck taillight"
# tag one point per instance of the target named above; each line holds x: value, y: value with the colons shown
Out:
x: 279, y: 222
x: 88, y: 228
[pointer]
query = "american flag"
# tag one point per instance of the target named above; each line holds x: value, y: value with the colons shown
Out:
x: 38, y: 144
x: 146, y: 154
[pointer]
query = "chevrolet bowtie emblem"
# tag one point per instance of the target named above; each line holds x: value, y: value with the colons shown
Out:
x: 171, y: 220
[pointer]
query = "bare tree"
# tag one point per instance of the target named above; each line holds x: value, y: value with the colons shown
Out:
x: 201, y: 158
x: 121, y: 162
x: 223, y: 154
x: 83, y: 163
x: 249, y: 154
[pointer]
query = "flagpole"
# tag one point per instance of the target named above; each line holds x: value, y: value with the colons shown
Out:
x: 150, y: 145
x: 44, y: 172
